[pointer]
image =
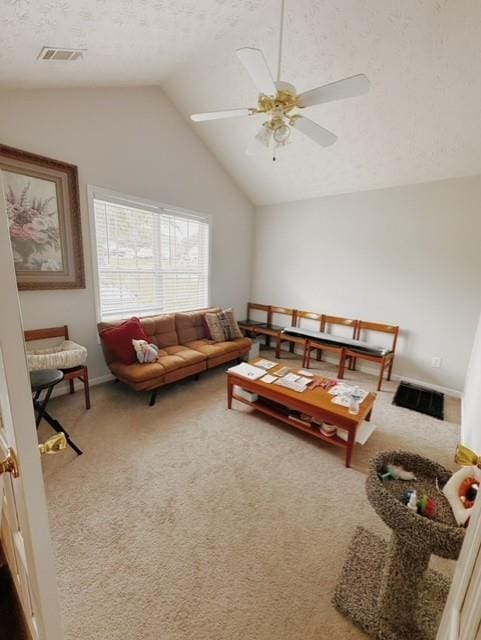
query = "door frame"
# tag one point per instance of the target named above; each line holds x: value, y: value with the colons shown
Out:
x: 32, y: 508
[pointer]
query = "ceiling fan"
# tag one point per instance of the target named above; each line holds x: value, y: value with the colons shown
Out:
x: 279, y: 101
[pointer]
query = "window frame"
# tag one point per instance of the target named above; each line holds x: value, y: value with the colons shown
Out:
x: 101, y: 193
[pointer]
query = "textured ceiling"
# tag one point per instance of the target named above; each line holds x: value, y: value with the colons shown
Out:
x: 419, y: 122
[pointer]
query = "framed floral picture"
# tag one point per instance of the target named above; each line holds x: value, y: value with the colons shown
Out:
x: 42, y: 203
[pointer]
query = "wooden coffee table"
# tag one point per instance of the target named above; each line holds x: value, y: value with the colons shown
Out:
x: 316, y: 403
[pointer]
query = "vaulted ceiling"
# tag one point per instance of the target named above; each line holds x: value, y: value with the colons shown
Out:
x: 419, y: 122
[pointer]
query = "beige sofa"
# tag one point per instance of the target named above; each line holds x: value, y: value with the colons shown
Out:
x: 185, y: 350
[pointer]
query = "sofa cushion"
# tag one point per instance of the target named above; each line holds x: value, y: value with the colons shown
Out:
x: 137, y: 372
x: 243, y: 344
x: 161, y: 330
x: 188, y: 355
x: 170, y: 362
x: 213, y: 349
x: 223, y: 325
x: 192, y: 326
x: 117, y: 340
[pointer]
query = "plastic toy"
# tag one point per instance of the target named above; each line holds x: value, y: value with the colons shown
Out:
x: 426, y: 506
x: 396, y: 472
x: 411, y: 500
x: 461, y: 490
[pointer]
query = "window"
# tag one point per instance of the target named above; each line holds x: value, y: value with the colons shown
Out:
x: 150, y: 259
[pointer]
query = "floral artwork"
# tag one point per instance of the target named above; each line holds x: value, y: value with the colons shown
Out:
x: 42, y: 205
x: 34, y: 222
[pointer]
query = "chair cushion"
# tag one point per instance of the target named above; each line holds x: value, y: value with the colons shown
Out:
x: 66, y: 355
x: 213, y: 349
x: 350, y: 344
x: 117, y: 340
x: 223, y: 325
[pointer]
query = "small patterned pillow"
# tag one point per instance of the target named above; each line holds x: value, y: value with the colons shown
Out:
x: 223, y: 325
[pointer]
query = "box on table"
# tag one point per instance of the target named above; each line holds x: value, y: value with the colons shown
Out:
x: 243, y: 393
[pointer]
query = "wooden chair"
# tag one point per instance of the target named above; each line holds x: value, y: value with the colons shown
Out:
x: 385, y: 357
x: 248, y: 325
x: 271, y: 330
x: 71, y: 375
x: 327, y: 324
x: 299, y: 340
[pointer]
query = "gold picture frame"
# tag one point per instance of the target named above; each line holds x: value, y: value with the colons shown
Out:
x: 43, y: 209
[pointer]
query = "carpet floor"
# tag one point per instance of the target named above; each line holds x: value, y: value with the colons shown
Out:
x: 188, y: 521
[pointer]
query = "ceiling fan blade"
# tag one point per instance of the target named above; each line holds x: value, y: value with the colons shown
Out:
x: 261, y: 141
x: 217, y: 115
x: 314, y: 131
x: 255, y: 64
x: 347, y: 88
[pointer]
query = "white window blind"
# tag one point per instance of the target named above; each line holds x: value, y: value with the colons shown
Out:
x: 150, y: 260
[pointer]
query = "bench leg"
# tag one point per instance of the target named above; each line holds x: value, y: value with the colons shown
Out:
x: 71, y: 385
x: 383, y: 366
x: 319, y: 355
x: 342, y: 366
x: 389, y: 371
x: 85, y: 380
x: 278, y: 348
x: 291, y: 347
x: 306, y: 363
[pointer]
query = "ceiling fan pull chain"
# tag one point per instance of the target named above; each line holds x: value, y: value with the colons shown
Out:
x: 281, y: 36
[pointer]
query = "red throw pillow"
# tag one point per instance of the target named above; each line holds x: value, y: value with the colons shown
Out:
x: 118, y: 340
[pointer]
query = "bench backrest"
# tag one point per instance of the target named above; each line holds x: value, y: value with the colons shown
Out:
x: 363, y: 327
x: 308, y: 315
x: 254, y: 306
x: 328, y: 322
x: 289, y: 316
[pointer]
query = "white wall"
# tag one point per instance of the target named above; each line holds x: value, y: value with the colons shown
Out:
x: 471, y: 423
x: 408, y: 255
x: 133, y: 141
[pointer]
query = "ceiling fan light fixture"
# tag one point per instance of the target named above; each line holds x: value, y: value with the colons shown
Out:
x: 282, y: 133
x: 264, y: 134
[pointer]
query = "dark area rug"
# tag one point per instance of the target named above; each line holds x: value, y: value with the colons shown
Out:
x: 420, y: 399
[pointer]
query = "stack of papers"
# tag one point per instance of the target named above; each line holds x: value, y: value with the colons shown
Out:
x: 246, y: 370
x: 265, y: 364
x: 346, y: 390
x: 294, y: 382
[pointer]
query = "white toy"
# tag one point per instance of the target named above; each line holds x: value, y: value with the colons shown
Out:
x: 145, y: 352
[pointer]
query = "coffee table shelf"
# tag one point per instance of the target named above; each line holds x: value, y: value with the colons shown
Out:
x: 259, y: 405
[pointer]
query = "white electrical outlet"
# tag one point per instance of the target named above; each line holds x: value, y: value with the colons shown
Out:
x: 436, y: 362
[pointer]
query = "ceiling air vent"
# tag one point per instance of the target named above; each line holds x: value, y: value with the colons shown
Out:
x: 55, y: 53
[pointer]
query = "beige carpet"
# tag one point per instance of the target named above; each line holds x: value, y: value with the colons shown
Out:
x: 188, y: 521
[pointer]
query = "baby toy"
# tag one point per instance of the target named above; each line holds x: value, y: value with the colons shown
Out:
x: 396, y: 472
x: 411, y: 500
x: 424, y: 506
x: 145, y: 352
